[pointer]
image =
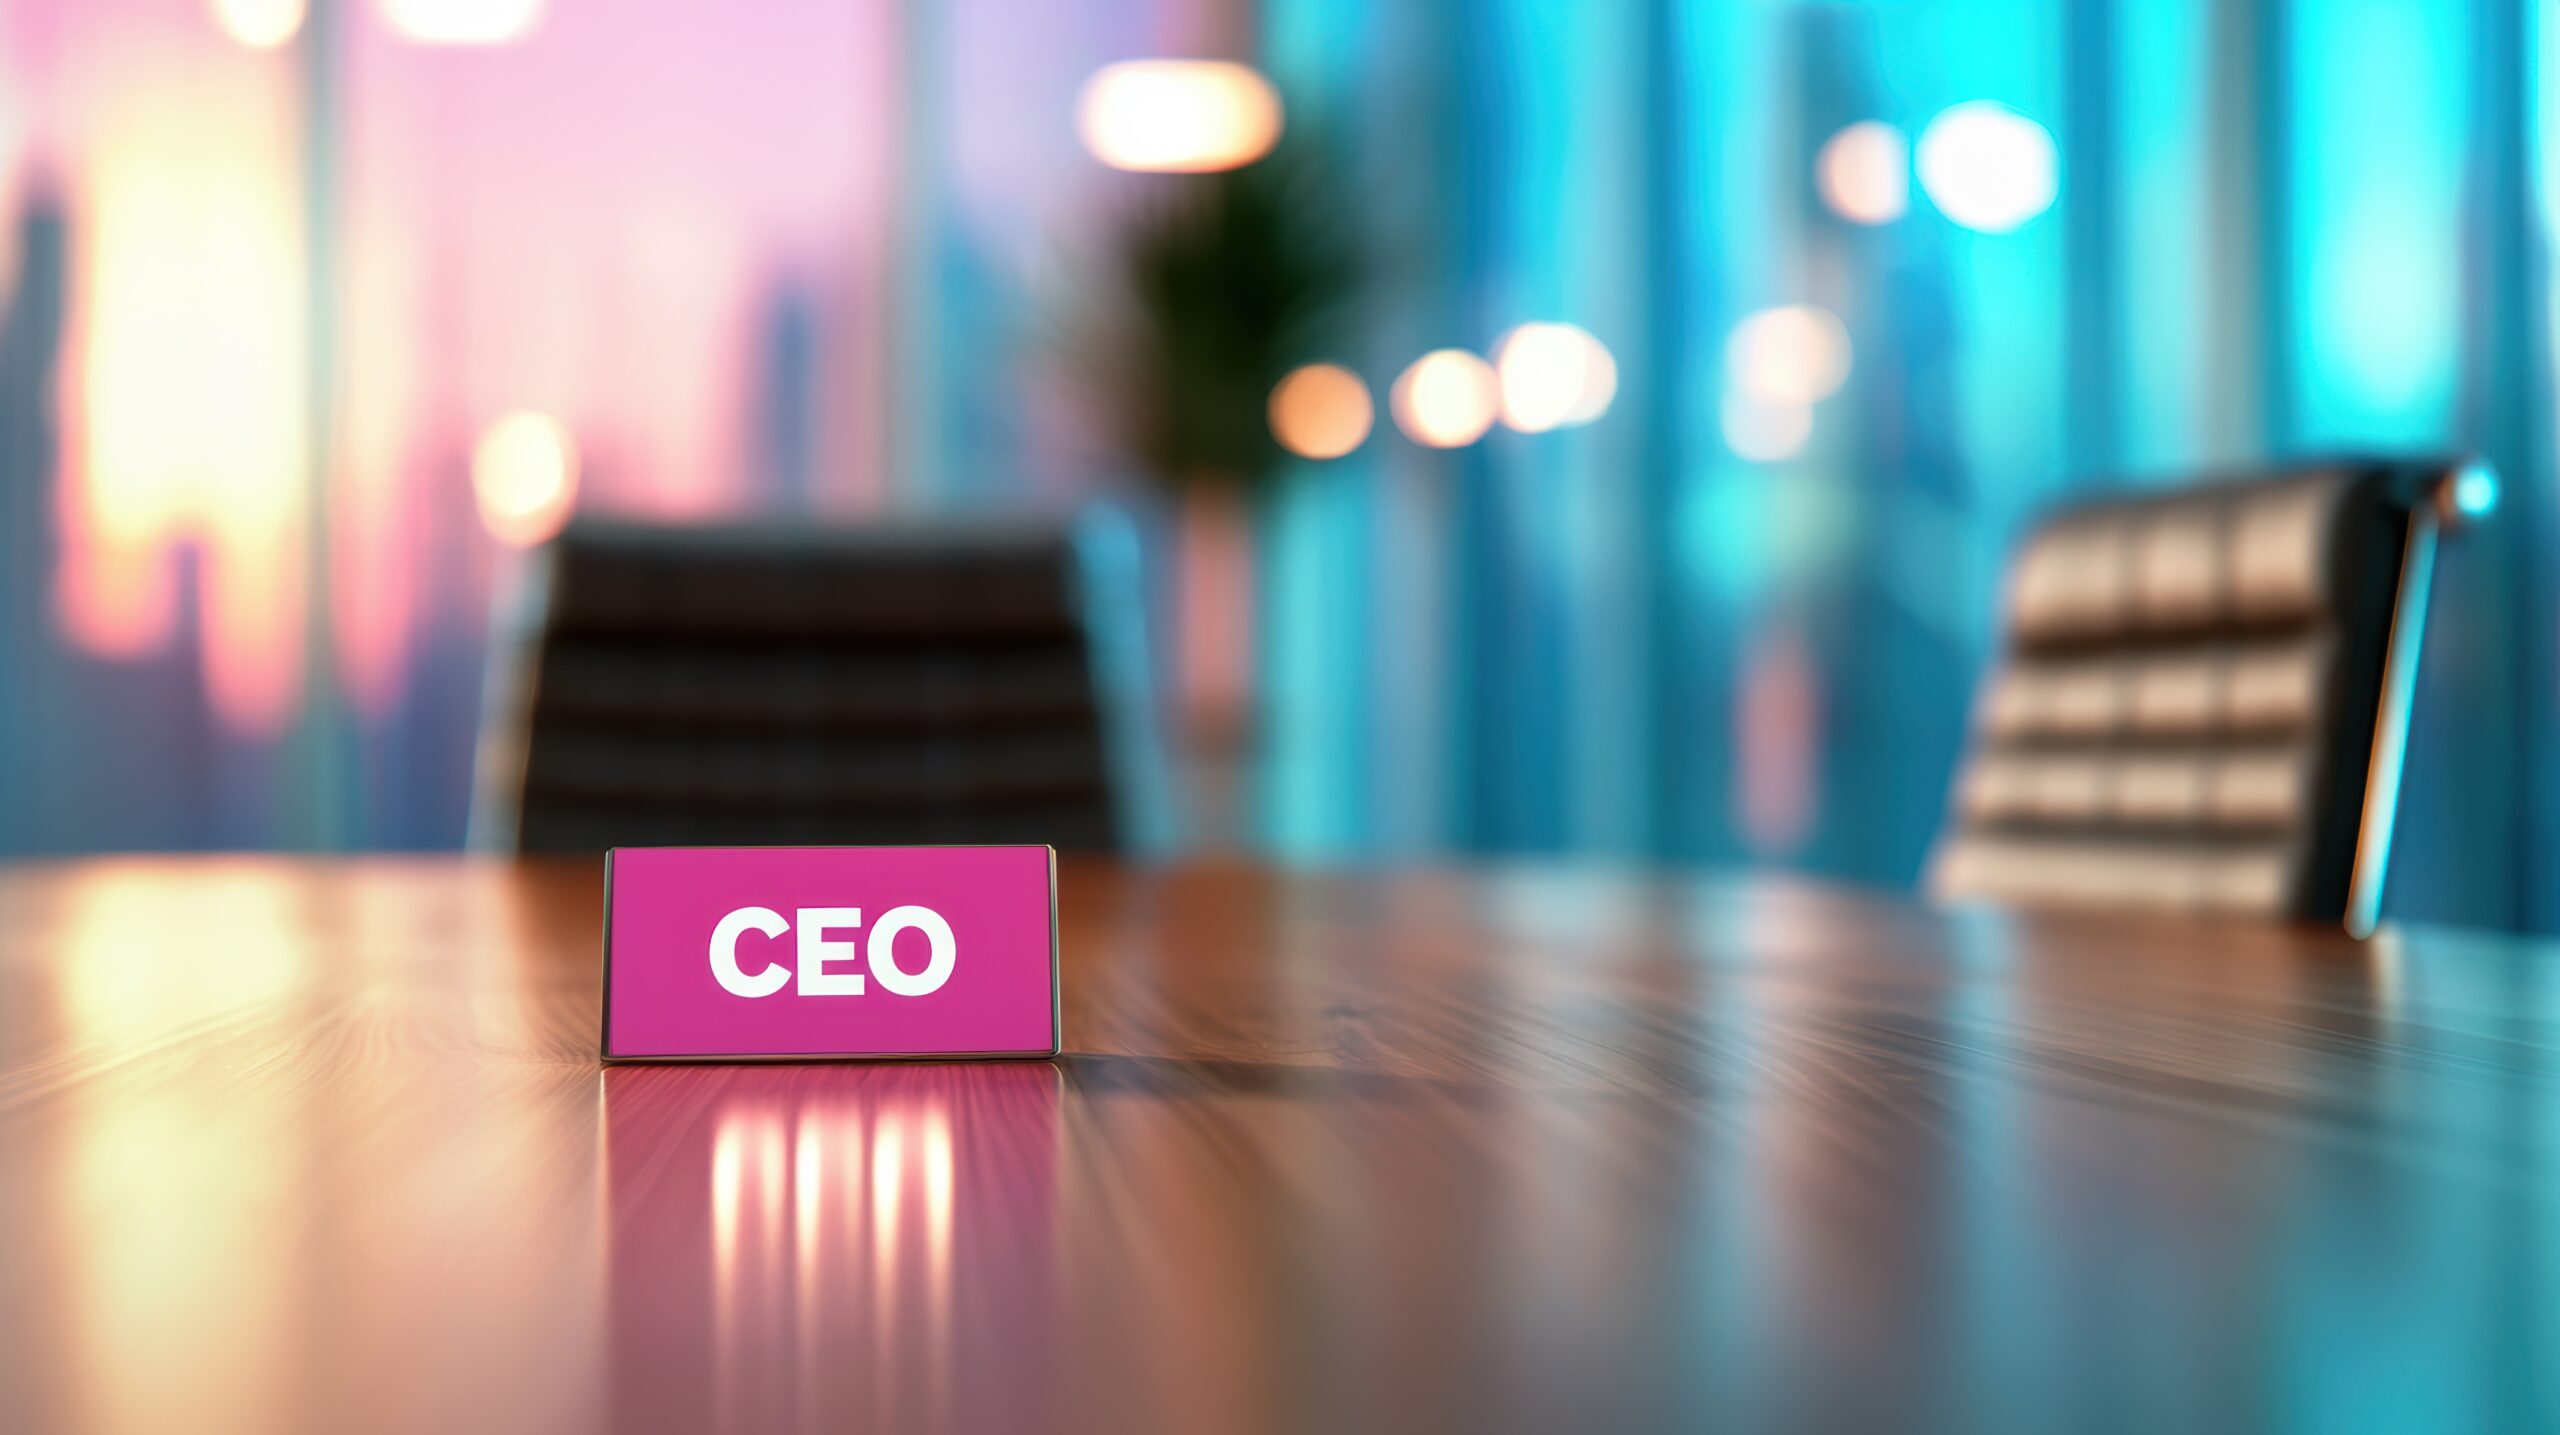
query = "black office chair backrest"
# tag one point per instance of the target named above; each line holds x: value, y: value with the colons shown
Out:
x: 2204, y: 698
x: 805, y: 684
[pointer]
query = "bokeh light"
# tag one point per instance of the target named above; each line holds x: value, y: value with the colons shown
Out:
x: 1446, y: 399
x: 2475, y: 490
x: 463, y: 22
x: 259, y: 24
x: 1766, y: 430
x: 1988, y: 167
x: 1553, y: 376
x: 1864, y: 173
x: 1793, y: 354
x: 1321, y: 411
x: 525, y: 472
x: 1178, y: 116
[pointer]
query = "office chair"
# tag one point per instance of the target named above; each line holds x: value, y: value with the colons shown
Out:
x: 772, y: 683
x: 2205, y: 697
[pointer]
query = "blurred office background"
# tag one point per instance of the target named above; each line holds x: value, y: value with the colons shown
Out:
x: 322, y: 314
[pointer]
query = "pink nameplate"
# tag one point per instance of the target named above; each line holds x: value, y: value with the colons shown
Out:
x: 776, y: 953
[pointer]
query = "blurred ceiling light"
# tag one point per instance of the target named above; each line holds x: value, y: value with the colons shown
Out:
x: 259, y: 24
x: 1178, y: 116
x: 1764, y: 431
x: 1553, y: 376
x: 463, y: 22
x: 1864, y: 173
x: 525, y: 472
x: 1987, y: 166
x: 1793, y: 354
x: 1447, y: 399
x: 1321, y: 411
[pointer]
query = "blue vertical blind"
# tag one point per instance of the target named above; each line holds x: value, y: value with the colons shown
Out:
x: 2279, y: 230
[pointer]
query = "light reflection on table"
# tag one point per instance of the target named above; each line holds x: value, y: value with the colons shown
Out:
x: 788, y: 1244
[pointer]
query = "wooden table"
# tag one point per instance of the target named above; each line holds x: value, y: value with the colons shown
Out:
x: 300, y: 1144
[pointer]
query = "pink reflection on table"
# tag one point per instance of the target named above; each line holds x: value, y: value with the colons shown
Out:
x: 810, y: 1245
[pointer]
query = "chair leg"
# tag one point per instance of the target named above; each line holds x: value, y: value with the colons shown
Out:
x: 2391, y: 722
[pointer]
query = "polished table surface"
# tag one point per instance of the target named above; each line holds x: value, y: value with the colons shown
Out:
x: 293, y: 1144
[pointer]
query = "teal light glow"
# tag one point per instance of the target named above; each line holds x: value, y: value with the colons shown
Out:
x: 2163, y: 234
x: 2475, y: 491
x: 2378, y: 195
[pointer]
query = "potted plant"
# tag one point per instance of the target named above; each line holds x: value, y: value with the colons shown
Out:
x: 1213, y: 288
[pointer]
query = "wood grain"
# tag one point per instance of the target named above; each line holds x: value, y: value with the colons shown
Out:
x: 293, y: 1144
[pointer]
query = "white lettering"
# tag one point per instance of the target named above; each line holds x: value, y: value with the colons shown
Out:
x: 816, y: 951
x: 884, y: 955
x: 820, y: 955
x: 724, y: 952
